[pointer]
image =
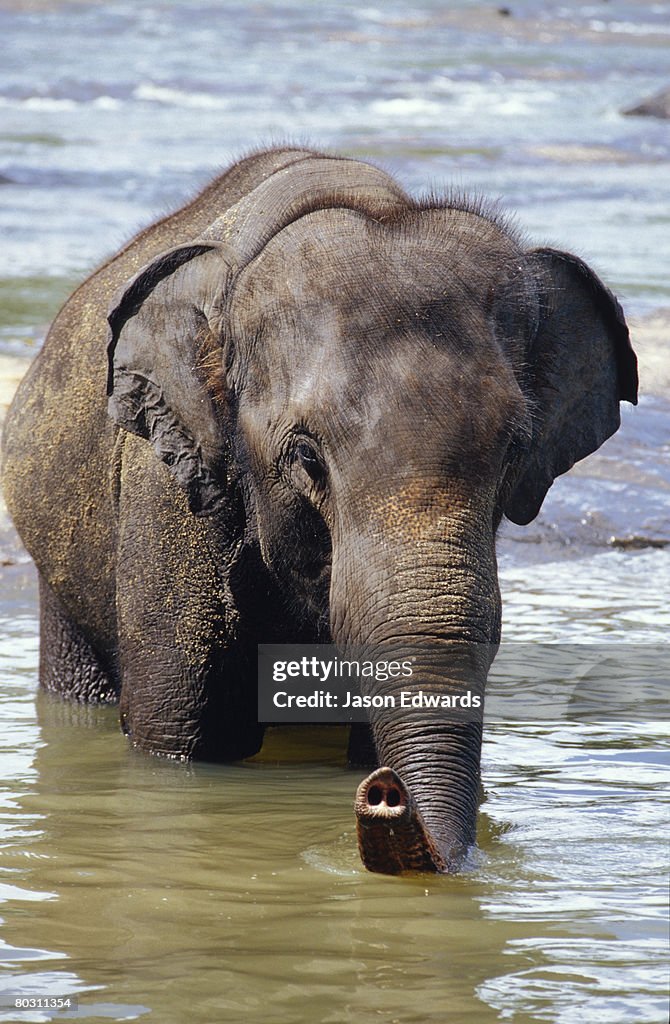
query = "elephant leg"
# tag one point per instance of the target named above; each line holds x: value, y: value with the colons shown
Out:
x: 189, y: 685
x: 68, y: 663
x: 186, y: 711
x: 189, y: 675
x: 361, y: 752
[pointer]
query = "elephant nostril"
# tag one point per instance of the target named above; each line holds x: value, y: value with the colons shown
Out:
x: 375, y: 796
x: 393, y: 797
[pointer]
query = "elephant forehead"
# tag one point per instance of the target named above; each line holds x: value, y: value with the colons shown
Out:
x: 340, y: 264
x: 407, y: 416
x: 358, y: 327
x: 333, y: 295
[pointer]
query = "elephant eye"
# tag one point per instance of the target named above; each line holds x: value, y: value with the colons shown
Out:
x: 309, y: 459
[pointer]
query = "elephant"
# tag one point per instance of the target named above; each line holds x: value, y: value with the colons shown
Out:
x: 296, y: 411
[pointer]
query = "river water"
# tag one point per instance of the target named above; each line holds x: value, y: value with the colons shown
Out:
x: 171, y: 893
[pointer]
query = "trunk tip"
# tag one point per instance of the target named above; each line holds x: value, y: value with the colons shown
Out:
x: 382, y: 795
x: 392, y: 838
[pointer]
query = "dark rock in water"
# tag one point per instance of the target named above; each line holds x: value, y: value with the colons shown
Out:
x: 636, y: 543
x: 657, y: 105
x: 4, y: 180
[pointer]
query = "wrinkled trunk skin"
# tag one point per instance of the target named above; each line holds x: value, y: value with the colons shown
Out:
x: 396, y: 834
x: 437, y: 599
x: 436, y: 759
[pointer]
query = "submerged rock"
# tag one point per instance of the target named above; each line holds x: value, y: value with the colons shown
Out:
x: 657, y: 105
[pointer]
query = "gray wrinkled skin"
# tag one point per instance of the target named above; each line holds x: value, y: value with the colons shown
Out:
x: 313, y: 403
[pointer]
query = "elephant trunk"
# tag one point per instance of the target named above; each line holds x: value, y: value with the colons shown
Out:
x: 438, y: 603
x: 422, y: 816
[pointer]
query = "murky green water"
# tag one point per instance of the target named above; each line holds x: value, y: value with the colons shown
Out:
x: 179, y: 894
x: 201, y: 893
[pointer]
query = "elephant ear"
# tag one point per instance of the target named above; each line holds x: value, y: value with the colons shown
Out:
x: 158, y: 326
x: 579, y: 366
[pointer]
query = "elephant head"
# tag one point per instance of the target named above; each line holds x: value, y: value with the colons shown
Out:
x: 383, y: 380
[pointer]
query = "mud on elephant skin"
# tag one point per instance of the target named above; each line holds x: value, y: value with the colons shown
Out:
x: 317, y: 399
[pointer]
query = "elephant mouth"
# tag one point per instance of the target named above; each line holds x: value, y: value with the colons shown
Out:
x: 392, y: 836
